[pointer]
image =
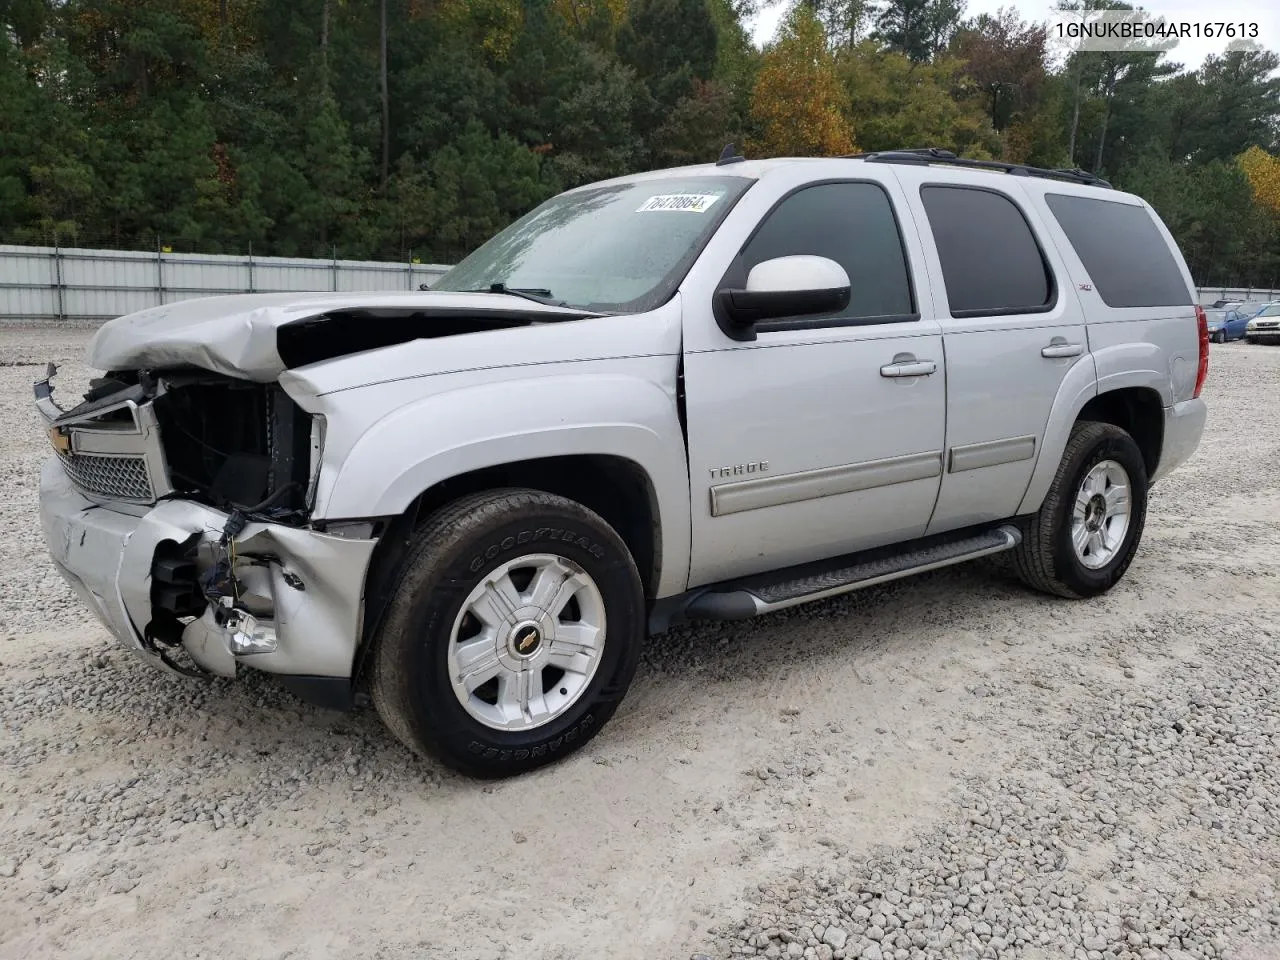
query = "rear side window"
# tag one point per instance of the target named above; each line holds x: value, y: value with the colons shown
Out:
x: 852, y: 224
x: 991, y: 263
x: 1127, y: 258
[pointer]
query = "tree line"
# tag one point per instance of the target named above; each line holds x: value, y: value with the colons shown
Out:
x: 394, y: 128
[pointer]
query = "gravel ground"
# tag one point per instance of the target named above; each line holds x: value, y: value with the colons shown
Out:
x: 949, y: 766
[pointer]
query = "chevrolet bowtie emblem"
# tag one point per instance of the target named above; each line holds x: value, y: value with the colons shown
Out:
x: 60, y: 440
x: 526, y: 640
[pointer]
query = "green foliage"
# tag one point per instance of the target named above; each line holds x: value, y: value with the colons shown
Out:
x: 899, y: 103
x: 846, y: 21
x: 229, y: 124
x: 919, y: 29
x: 670, y: 45
x: 1228, y: 105
x: 1004, y: 57
x: 1205, y: 206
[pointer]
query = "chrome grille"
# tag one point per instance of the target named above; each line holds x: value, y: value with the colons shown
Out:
x: 113, y: 478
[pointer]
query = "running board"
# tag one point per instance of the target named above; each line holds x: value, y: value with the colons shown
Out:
x: 752, y: 596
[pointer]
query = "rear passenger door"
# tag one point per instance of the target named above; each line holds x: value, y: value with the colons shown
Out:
x: 1012, y: 330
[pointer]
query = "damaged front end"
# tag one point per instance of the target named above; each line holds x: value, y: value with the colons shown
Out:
x: 178, y: 507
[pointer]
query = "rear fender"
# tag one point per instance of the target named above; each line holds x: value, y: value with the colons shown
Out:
x: 1078, y: 387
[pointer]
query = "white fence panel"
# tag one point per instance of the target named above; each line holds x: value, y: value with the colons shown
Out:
x: 1248, y: 294
x: 47, y: 283
x: 205, y: 275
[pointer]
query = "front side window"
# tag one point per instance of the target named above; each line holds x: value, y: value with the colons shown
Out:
x: 623, y: 247
x: 850, y: 223
x: 991, y: 263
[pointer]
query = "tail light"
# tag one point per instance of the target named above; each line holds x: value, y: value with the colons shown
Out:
x: 1203, y: 370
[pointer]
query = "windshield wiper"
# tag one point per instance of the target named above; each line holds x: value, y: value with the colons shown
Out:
x: 536, y: 294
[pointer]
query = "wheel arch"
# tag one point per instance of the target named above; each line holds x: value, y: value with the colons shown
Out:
x: 620, y: 490
x: 1134, y: 403
x: 1136, y: 410
x: 616, y: 488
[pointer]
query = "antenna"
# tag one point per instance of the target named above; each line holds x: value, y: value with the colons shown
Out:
x: 729, y: 155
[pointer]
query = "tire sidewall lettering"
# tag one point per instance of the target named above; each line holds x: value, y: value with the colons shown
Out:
x: 525, y: 537
x: 549, y: 748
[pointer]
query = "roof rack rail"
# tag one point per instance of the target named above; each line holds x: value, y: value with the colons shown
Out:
x: 928, y: 155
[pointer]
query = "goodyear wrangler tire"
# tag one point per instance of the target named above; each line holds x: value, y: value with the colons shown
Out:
x: 513, y: 634
x: 1083, y: 538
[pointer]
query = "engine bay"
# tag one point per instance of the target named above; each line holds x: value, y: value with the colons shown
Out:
x: 236, y: 444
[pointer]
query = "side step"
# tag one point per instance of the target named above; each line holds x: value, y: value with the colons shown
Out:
x: 740, y: 599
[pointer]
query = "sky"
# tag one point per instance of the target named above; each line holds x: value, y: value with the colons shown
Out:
x: 1189, y: 52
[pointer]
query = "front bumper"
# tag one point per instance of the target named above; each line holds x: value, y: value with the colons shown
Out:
x: 1183, y: 426
x: 314, y: 582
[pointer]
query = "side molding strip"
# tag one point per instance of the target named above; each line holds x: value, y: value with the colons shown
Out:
x: 761, y: 492
x: 990, y: 453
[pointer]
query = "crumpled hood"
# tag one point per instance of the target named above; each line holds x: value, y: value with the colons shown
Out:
x: 237, y: 335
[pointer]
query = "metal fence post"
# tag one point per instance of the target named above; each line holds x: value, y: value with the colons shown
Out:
x: 159, y: 274
x: 335, y: 268
x: 410, y: 279
x: 57, y: 280
x: 250, y: 290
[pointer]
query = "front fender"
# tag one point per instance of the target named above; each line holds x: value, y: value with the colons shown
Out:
x: 447, y: 434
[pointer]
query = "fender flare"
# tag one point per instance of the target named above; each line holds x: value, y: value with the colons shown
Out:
x: 1078, y: 387
x: 422, y: 443
x: 1133, y: 363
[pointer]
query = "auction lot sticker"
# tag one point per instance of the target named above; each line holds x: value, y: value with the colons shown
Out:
x: 679, y: 202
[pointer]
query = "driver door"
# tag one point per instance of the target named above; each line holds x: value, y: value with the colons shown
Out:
x: 823, y: 435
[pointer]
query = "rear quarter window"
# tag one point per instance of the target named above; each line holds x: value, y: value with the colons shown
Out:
x: 1128, y: 259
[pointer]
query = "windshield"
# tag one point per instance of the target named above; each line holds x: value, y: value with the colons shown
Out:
x: 623, y: 247
x: 1271, y: 311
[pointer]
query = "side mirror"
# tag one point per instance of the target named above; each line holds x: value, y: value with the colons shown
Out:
x: 783, y: 287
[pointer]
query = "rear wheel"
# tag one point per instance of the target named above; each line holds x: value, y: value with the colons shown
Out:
x: 1083, y: 538
x: 513, y: 635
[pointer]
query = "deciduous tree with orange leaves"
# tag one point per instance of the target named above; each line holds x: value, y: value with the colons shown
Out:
x: 797, y: 104
x: 1263, y: 171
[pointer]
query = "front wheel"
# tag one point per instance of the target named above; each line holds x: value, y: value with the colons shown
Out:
x: 1220, y: 337
x: 1083, y: 538
x: 513, y: 634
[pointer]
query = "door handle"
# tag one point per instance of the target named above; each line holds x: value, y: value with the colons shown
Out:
x: 906, y: 365
x: 1059, y: 348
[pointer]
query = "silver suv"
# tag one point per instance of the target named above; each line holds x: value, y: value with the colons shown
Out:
x: 1264, y: 327
x: 709, y: 392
